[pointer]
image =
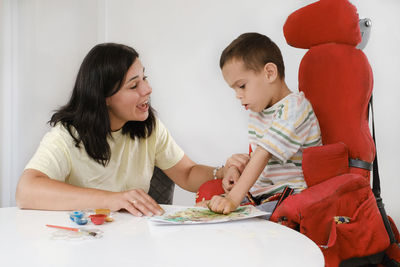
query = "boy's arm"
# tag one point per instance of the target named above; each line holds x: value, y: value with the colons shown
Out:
x: 254, y: 168
x: 234, y: 166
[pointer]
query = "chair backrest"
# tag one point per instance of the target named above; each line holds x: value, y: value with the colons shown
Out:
x: 161, y: 187
x: 334, y: 75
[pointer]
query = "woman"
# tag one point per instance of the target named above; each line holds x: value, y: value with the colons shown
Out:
x: 105, y: 142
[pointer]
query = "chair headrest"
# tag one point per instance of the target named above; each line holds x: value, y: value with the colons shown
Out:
x: 325, y: 21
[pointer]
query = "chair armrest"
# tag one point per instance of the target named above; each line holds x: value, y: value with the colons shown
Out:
x: 323, y: 162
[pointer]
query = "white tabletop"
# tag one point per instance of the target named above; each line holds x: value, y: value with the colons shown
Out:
x: 26, y: 241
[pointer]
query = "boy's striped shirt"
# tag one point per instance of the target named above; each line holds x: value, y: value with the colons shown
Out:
x: 284, y: 130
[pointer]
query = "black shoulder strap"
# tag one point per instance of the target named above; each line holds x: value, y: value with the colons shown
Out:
x: 376, y: 184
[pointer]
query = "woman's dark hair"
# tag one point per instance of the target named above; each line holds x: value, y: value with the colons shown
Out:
x: 255, y: 50
x: 101, y: 75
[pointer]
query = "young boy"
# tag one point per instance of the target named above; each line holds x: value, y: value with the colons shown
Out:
x: 282, y: 123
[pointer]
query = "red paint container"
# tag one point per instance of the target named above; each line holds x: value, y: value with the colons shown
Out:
x: 98, y: 218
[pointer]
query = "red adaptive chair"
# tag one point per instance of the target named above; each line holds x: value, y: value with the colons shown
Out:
x: 338, y: 210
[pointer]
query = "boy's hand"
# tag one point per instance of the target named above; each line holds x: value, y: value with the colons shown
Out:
x: 222, y: 205
x: 230, y: 178
x: 238, y: 160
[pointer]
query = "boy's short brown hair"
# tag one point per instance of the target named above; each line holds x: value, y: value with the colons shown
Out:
x: 255, y: 50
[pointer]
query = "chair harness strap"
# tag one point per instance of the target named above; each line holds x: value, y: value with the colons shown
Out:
x: 358, y: 163
x: 376, y: 184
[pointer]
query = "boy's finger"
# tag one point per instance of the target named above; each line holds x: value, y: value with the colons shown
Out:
x: 221, y: 207
x: 226, y: 210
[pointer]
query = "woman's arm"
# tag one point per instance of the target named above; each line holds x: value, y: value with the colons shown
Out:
x: 189, y: 175
x: 37, y: 191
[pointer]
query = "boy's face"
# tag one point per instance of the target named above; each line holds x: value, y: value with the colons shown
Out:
x: 253, y: 89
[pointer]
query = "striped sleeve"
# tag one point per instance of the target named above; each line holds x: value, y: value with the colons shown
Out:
x: 294, y: 126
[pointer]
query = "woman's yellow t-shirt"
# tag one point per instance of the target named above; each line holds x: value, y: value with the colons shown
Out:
x: 131, y: 164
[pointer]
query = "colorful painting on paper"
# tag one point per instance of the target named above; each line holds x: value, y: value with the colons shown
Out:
x: 203, y: 215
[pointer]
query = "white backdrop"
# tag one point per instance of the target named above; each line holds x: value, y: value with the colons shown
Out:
x: 44, y: 41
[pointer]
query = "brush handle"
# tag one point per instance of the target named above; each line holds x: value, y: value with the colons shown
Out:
x: 63, y: 227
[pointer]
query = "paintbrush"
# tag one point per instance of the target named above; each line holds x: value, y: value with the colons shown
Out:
x: 91, y: 233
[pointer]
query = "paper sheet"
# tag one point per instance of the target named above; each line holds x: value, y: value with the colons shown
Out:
x: 197, y: 215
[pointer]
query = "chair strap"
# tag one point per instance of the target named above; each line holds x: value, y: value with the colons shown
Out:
x: 358, y: 163
x: 376, y: 184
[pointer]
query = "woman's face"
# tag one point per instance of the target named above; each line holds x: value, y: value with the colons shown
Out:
x: 131, y: 102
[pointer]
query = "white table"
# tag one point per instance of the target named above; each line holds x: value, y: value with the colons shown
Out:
x: 133, y: 241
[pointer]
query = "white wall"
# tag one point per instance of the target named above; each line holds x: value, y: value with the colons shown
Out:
x: 179, y: 42
x: 7, y: 57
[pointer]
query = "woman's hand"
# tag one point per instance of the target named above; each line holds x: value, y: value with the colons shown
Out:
x: 223, y: 205
x: 136, y: 201
x: 231, y: 176
x: 238, y: 160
